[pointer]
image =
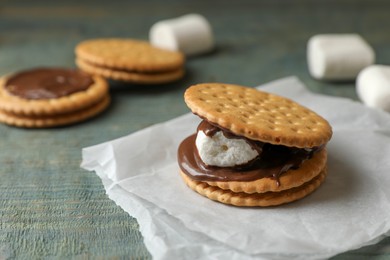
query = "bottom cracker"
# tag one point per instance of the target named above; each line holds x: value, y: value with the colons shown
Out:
x: 129, y: 76
x: 254, y: 199
x: 55, y: 120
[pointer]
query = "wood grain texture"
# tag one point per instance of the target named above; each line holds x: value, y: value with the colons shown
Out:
x: 49, y: 207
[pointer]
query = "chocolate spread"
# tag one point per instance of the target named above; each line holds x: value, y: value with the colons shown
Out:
x: 272, y: 162
x: 47, y: 83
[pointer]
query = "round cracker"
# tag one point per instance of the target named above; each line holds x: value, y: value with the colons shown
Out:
x: 308, y: 170
x: 255, y: 199
x: 128, y: 76
x: 129, y: 54
x: 42, y: 107
x: 258, y: 115
x: 54, y: 120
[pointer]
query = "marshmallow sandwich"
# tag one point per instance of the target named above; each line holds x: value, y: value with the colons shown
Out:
x: 252, y: 148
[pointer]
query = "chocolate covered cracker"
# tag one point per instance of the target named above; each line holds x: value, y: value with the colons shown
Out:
x: 48, y: 97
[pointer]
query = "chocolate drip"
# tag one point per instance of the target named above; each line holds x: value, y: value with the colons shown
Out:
x: 272, y: 163
x: 47, y: 83
x: 208, y: 129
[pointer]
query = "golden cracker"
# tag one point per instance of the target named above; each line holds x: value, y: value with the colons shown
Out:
x: 42, y: 107
x: 255, y: 199
x: 134, y: 77
x: 54, y: 120
x: 129, y: 54
x: 258, y: 115
x: 308, y: 170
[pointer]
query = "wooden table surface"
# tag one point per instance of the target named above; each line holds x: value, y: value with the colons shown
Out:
x: 49, y: 206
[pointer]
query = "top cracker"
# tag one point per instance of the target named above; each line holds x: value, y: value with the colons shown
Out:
x: 258, y: 115
x: 129, y: 54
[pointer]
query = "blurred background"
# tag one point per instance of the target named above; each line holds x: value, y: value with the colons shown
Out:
x: 257, y: 41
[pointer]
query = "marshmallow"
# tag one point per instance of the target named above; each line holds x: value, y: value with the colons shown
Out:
x: 338, y: 56
x: 223, y: 152
x: 190, y: 34
x: 373, y: 86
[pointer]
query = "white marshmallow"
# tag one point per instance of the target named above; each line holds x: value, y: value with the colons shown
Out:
x: 223, y: 152
x: 190, y: 34
x: 373, y: 86
x: 338, y: 56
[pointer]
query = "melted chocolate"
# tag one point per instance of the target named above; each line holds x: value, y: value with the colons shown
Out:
x: 273, y: 161
x: 47, y: 83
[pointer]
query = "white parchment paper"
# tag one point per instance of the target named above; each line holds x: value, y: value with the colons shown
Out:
x: 350, y: 210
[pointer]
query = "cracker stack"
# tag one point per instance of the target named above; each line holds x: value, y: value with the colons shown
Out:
x: 261, y: 117
x: 129, y: 60
x: 40, y: 97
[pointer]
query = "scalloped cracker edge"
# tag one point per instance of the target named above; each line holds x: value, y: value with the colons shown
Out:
x: 266, y: 199
x: 128, y: 76
x: 258, y: 115
x: 54, y: 120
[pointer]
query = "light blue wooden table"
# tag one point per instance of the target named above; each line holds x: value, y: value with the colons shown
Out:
x: 49, y: 207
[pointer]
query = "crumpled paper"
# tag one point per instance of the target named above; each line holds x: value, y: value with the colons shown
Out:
x: 350, y: 210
